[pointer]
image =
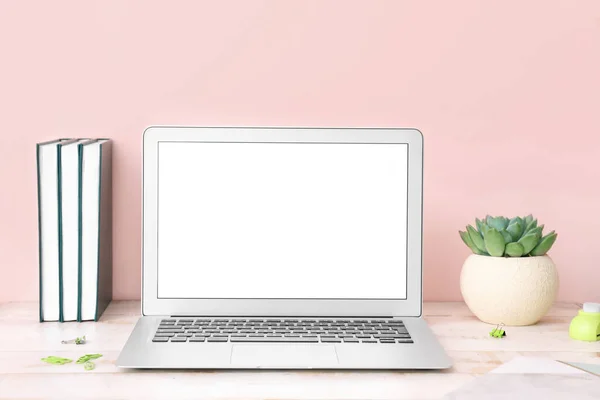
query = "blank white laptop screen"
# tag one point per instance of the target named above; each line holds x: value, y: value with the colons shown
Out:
x: 282, y: 220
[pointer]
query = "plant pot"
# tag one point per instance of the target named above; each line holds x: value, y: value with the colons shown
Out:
x: 511, y: 291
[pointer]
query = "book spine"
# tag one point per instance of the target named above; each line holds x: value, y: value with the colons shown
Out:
x: 39, y: 202
x: 104, y: 290
x: 60, y: 244
x: 79, y: 229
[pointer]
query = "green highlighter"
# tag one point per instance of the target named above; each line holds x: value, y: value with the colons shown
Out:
x: 586, y: 325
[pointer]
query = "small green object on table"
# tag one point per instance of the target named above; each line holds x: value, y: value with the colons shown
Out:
x: 498, y: 332
x: 88, y: 357
x: 77, y: 340
x: 56, y: 360
x: 585, y: 326
x: 88, y: 366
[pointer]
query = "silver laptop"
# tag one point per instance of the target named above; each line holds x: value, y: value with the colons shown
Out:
x: 282, y: 248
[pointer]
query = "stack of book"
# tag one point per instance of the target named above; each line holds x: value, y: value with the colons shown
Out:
x: 75, y: 228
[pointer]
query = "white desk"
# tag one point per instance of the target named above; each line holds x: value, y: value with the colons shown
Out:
x: 23, y: 341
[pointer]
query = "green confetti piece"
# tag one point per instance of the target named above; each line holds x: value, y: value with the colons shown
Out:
x: 88, y: 366
x: 56, y: 360
x: 88, y: 357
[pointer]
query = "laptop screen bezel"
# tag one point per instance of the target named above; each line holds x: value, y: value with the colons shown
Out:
x: 153, y: 305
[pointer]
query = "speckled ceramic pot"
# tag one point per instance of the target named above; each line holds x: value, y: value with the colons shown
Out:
x: 512, y: 291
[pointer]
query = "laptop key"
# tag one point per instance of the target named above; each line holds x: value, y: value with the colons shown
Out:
x: 160, y: 339
x: 405, y: 341
x: 368, y: 341
x: 179, y: 339
x: 162, y: 334
x: 391, y: 337
x: 330, y: 340
x: 275, y: 340
x: 197, y: 339
x: 216, y: 339
x: 350, y: 340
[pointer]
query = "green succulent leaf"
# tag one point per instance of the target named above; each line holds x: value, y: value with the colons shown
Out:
x: 467, y: 239
x: 531, y: 225
x: 528, y: 219
x: 494, y: 243
x: 507, y: 237
x: 514, y: 249
x: 479, y: 225
x: 515, y: 229
x: 476, y: 238
x: 537, y: 230
x: 529, y: 241
x: 498, y: 223
x: 544, y: 245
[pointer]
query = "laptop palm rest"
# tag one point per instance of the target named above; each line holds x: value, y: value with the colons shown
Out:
x: 283, y: 355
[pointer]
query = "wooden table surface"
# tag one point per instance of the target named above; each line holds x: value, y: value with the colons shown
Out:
x: 24, y: 341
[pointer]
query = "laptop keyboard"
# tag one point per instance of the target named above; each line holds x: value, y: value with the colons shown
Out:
x: 183, y: 330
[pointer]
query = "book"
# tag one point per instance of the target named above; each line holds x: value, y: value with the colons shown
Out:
x: 48, y: 226
x: 68, y: 217
x: 95, y: 251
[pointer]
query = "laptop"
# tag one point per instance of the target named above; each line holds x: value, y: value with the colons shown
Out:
x: 282, y: 248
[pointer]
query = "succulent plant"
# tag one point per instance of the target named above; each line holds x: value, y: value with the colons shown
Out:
x: 503, y: 237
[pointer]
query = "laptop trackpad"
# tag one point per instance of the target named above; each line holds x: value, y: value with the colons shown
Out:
x: 284, y: 355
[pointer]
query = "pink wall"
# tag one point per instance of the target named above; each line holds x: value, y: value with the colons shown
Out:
x: 506, y: 93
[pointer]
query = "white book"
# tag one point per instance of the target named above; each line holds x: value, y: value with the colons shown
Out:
x: 96, y: 229
x: 47, y: 182
x: 68, y: 217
